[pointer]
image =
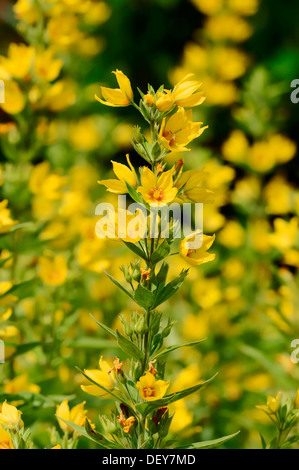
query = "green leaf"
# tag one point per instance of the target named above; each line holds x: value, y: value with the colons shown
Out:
x: 105, y: 327
x: 210, y: 444
x: 119, y: 285
x: 136, y: 249
x: 161, y: 252
x: 96, y: 437
x: 144, y: 297
x: 135, y: 195
x: 145, y: 408
x: 176, y: 346
x: 23, y: 289
x: 3, y: 261
x: 24, y: 348
x: 274, y: 369
x: 162, y: 274
x: 129, y: 347
x: 164, y: 293
x: 263, y: 442
x: 88, y: 342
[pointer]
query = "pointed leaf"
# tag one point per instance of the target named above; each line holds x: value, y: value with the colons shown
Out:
x: 210, y: 444
x: 129, y: 347
x: 105, y: 327
x: 168, y: 350
x: 119, y: 285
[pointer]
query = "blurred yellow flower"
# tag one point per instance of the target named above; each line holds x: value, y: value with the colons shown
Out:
x: 14, y: 98
x: 53, y: 270
x: 84, y: 135
x: 236, y: 147
x: 26, y: 10
x: 227, y: 26
x: 209, y: 8
x: 285, y: 233
x: 20, y: 383
x: 6, y: 223
x: 46, y: 67
x: 232, y: 235
x: 18, y: 61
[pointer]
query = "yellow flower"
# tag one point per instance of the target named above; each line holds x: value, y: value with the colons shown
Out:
x: 159, y: 190
x: 273, y: 403
x: 227, y: 26
x: 151, y: 389
x: 100, y: 376
x: 46, y: 67
x: 209, y: 8
x: 18, y: 61
x: 149, y: 99
x: 197, y: 256
x: 123, y: 173
x: 14, y: 99
x: 26, y: 10
x: 10, y: 416
x: 6, y: 223
x: 232, y: 235
x: 59, y: 96
x: 20, y: 384
x: 192, y: 183
x: 53, y: 270
x: 184, y: 94
x: 58, y: 446
x: 45, y: 183
x: 5, y: 440
x: 285, y: 234
x: 118, y: 97
x: 76, y: 415
x: 297, y: 399
x: 283, y: 148
x: 83, y: 134
x: 179, y: 130
x: 236, y: 147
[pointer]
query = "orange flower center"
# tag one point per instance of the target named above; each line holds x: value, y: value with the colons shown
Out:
x: 190, y: 252
x: 170, y: 137
x: 149, y: 392
x: 156, y: 194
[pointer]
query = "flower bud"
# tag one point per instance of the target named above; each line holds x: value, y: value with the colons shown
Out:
x: 141, y: 325
x: 138, y: 135
x: 109, y: 427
